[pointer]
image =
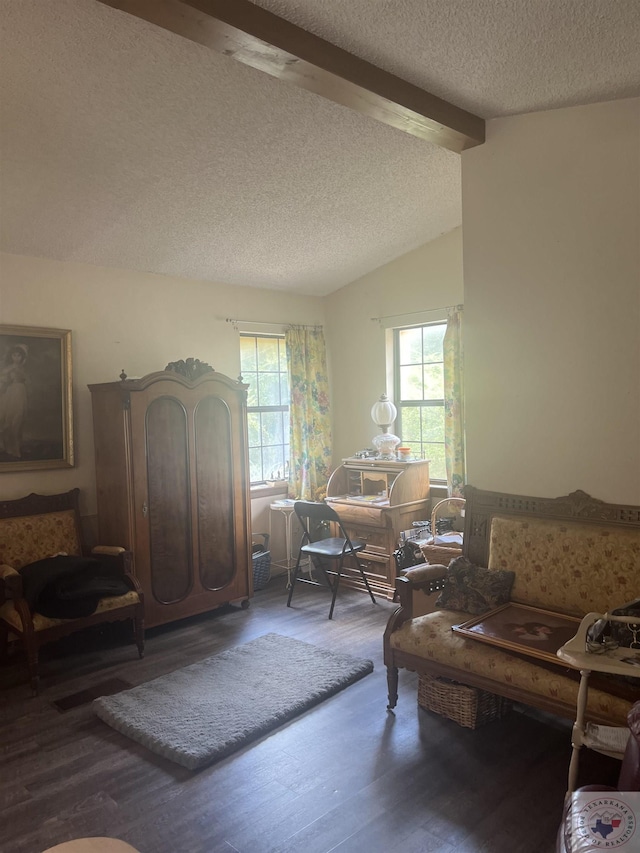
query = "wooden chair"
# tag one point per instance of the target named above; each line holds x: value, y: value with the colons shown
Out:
x: 38, y: 527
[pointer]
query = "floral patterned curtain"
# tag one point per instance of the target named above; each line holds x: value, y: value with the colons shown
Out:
x: 454, y: 405
x: 310, y: 438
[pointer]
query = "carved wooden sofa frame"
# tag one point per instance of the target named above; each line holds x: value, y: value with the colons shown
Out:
x: 27, y: 515
x: 482, y: 508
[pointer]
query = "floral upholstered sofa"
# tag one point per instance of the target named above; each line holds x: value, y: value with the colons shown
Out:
x: 570, y: 555
x: 41, y: 555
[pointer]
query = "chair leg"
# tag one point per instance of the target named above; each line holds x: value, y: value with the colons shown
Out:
x: 294, y: 579
x: 33, y: 665
x: 392, y: 686
x: 366, y: 580
x: 334, y: 587
x: 4, y: 642
x: 138, y: 634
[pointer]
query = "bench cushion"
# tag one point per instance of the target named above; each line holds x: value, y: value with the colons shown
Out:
x: 430, y: 637
x: 10, y: 615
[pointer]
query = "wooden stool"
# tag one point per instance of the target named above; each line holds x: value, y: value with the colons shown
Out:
x: 92, y: 845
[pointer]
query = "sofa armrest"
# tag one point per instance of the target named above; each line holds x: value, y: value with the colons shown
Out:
x: 8, y: 572
x: 112, y: 550
x: 122, y: 561
x: 10, y: 583
x: 134, y: 583
x: 426, y: 577
x: 11, y: 587
x: 116, y: 558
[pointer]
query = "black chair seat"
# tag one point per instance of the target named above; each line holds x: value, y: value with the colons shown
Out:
x: 333, y: 548
x: 314, y: 518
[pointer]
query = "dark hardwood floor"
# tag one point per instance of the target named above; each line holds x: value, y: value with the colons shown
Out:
x: 346, y: 776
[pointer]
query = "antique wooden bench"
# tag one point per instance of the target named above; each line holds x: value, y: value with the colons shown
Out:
x: 33, y: 530
x: 571, y: 555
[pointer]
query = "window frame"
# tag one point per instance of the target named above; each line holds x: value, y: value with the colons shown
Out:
x: 424, y: 403
x: 282, y: 407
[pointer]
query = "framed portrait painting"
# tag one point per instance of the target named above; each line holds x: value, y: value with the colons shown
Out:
x: 523, y: 629
x: 36, y: 417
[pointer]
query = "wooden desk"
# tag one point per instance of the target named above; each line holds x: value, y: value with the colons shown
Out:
x: 379, y: 522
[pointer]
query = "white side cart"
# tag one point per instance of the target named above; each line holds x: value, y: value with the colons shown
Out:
x: 609, y: 740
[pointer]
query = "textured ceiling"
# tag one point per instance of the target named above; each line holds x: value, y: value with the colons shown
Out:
x: 126, y: 146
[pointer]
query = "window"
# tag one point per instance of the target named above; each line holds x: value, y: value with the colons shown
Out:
x: 263, y: 364
x: 419, y: 394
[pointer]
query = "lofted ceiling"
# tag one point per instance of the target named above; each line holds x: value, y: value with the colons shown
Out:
x: 125, y: 145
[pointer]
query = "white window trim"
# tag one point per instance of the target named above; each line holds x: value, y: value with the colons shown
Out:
x: 416, y: 320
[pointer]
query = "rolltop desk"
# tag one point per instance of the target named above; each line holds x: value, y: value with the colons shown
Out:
x: 376, y: 499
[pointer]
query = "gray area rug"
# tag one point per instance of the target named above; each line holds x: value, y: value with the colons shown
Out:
x: 205, y: 711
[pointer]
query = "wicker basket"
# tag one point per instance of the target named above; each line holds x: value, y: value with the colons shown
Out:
x: 261, y: 557
x: 466, y: 706
x: 441, y: 554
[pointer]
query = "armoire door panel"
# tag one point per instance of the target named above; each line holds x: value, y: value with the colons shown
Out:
x: 214, y: 476
x: 169, y: 510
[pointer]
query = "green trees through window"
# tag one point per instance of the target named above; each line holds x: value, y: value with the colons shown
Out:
x: 263, y: 364
x: 419, y: 384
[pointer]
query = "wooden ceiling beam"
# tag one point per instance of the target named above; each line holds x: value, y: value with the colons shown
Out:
x: 257, y: 37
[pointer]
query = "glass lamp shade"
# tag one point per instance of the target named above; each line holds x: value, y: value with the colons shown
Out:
x: 383, y: 413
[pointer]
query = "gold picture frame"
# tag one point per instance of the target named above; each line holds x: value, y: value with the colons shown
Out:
x: 520, y: 628
x: 36, y: 410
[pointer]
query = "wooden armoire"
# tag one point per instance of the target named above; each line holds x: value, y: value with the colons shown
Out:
x: 172, y: 485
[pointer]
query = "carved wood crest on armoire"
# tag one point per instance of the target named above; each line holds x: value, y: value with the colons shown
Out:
x: 173, y: 487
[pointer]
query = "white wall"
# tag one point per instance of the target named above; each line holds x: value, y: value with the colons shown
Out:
x: 129, y: 320
x: 551, y: 208
x: 428, y: 278
x: 551, y: 212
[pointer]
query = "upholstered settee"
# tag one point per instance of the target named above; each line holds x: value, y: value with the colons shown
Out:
x: 570, y: 555
x: 41, y: 553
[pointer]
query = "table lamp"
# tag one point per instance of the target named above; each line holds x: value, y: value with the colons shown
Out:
x: 383, y: 413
